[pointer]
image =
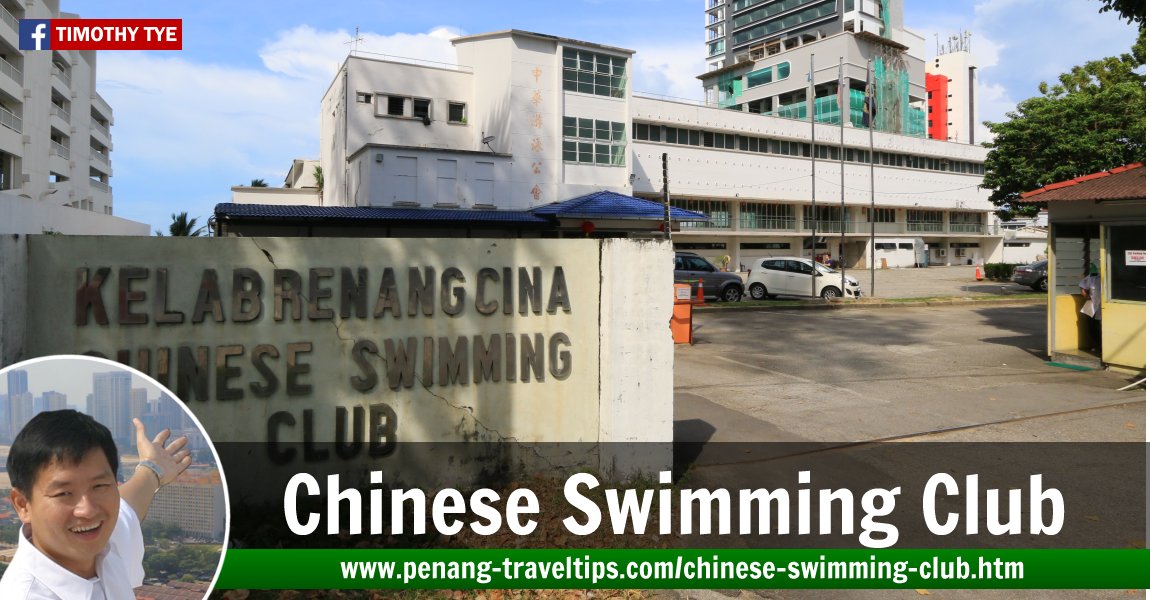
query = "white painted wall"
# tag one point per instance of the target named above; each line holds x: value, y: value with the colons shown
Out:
x: 636, y: 360
x: 706, y: 172
x: 24, y: 215
x: 897, y: 258
x: 388, y: 176
x: 242, y: 194
x: 1035, y: 251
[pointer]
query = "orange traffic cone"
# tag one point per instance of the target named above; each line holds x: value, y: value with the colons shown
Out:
x: 977, y: 273
x: 699, y: 297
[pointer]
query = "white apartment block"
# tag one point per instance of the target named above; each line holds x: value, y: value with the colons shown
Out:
x: 529, y: 119
x: 196, y: 506
x: 55, y: 136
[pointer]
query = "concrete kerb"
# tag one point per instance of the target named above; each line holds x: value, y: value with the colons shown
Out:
x: 886, y: 303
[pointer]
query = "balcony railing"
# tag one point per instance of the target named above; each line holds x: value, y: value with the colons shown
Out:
x: 762, y: 223
x: 60, y: 150
x: 966, y: 227
x: 100, y: 157
x: 101, y: 128
x: 9, y: 18
x: 11, y: 121
x: 863, y: 227
x: 62, y: 112
x: 10, y: 70
x: 753, y: 222
x: 100, y: 185
x: 717, y: 222
x: 924, y: 227
x: 63, y: 75
x: 101, y: 106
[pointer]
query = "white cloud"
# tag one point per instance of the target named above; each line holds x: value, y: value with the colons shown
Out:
x: 669, y: 70
x: 993, y: 105
x: 306, y: 53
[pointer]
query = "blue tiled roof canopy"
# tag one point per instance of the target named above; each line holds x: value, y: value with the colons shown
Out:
x: 600, y: 205
x: 609, y: 205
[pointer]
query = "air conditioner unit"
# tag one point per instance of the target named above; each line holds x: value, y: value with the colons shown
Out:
x: 941, y: 251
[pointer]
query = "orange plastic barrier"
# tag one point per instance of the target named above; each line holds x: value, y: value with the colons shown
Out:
x: 681, y: 315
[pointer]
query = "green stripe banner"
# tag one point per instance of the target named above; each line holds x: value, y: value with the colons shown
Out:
x: 658, y: 568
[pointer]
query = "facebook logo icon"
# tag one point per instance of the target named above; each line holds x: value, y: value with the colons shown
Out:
x: 35, y: 34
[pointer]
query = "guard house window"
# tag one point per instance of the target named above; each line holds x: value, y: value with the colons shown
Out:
x: 363, y: 97
x: 456, y: 112
x: 1126, y: 263
x: 593, y: 141
x: 594, y: 73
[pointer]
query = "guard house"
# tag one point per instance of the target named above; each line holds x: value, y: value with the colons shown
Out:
x: 1100, y: 219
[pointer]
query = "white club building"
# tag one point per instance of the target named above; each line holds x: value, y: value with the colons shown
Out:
x: 526, y: 119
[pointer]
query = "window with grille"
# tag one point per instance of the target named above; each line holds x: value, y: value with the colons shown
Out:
x: 594, y: 73
x: 594, y: 141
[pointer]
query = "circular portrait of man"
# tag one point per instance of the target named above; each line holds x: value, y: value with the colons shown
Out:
x: 109, y: 488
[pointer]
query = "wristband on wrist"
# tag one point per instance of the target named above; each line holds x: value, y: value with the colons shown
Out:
x: 155, y: 469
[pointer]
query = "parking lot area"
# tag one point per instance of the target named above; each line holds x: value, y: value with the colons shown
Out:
x: 958, y: 373
x: 852, y: 375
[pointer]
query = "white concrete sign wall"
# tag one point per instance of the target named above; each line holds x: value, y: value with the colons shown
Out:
x: 289, y: 340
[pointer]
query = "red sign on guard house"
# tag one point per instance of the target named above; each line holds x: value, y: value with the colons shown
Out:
x: 101, y: 34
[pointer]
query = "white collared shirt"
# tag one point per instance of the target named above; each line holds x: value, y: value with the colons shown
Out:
x: 119, y: 568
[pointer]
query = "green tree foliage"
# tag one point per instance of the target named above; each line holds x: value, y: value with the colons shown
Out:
x: 259, y: 183
x: 187, y: 562
x: 182, y: 226
x: 1093, y: 119
x: 1134, y: 11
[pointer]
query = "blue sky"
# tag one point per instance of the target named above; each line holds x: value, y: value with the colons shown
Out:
x: 241, y: 100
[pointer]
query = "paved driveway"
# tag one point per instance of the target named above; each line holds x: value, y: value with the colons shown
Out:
x: 854, y: 375
x: 950, y: 373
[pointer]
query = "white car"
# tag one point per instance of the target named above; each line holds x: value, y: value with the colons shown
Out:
x: 791, y: 276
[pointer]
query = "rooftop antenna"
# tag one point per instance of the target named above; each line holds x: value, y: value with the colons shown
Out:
x: 354, y: 42
x: 486, y: 141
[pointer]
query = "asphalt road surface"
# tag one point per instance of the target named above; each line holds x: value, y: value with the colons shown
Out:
x: 920, y: 374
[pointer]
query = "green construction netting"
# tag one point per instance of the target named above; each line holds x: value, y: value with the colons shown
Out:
x: 892, y: 105
x: 892, y: 101
x: 797, y: 110
x: 730, y: 88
